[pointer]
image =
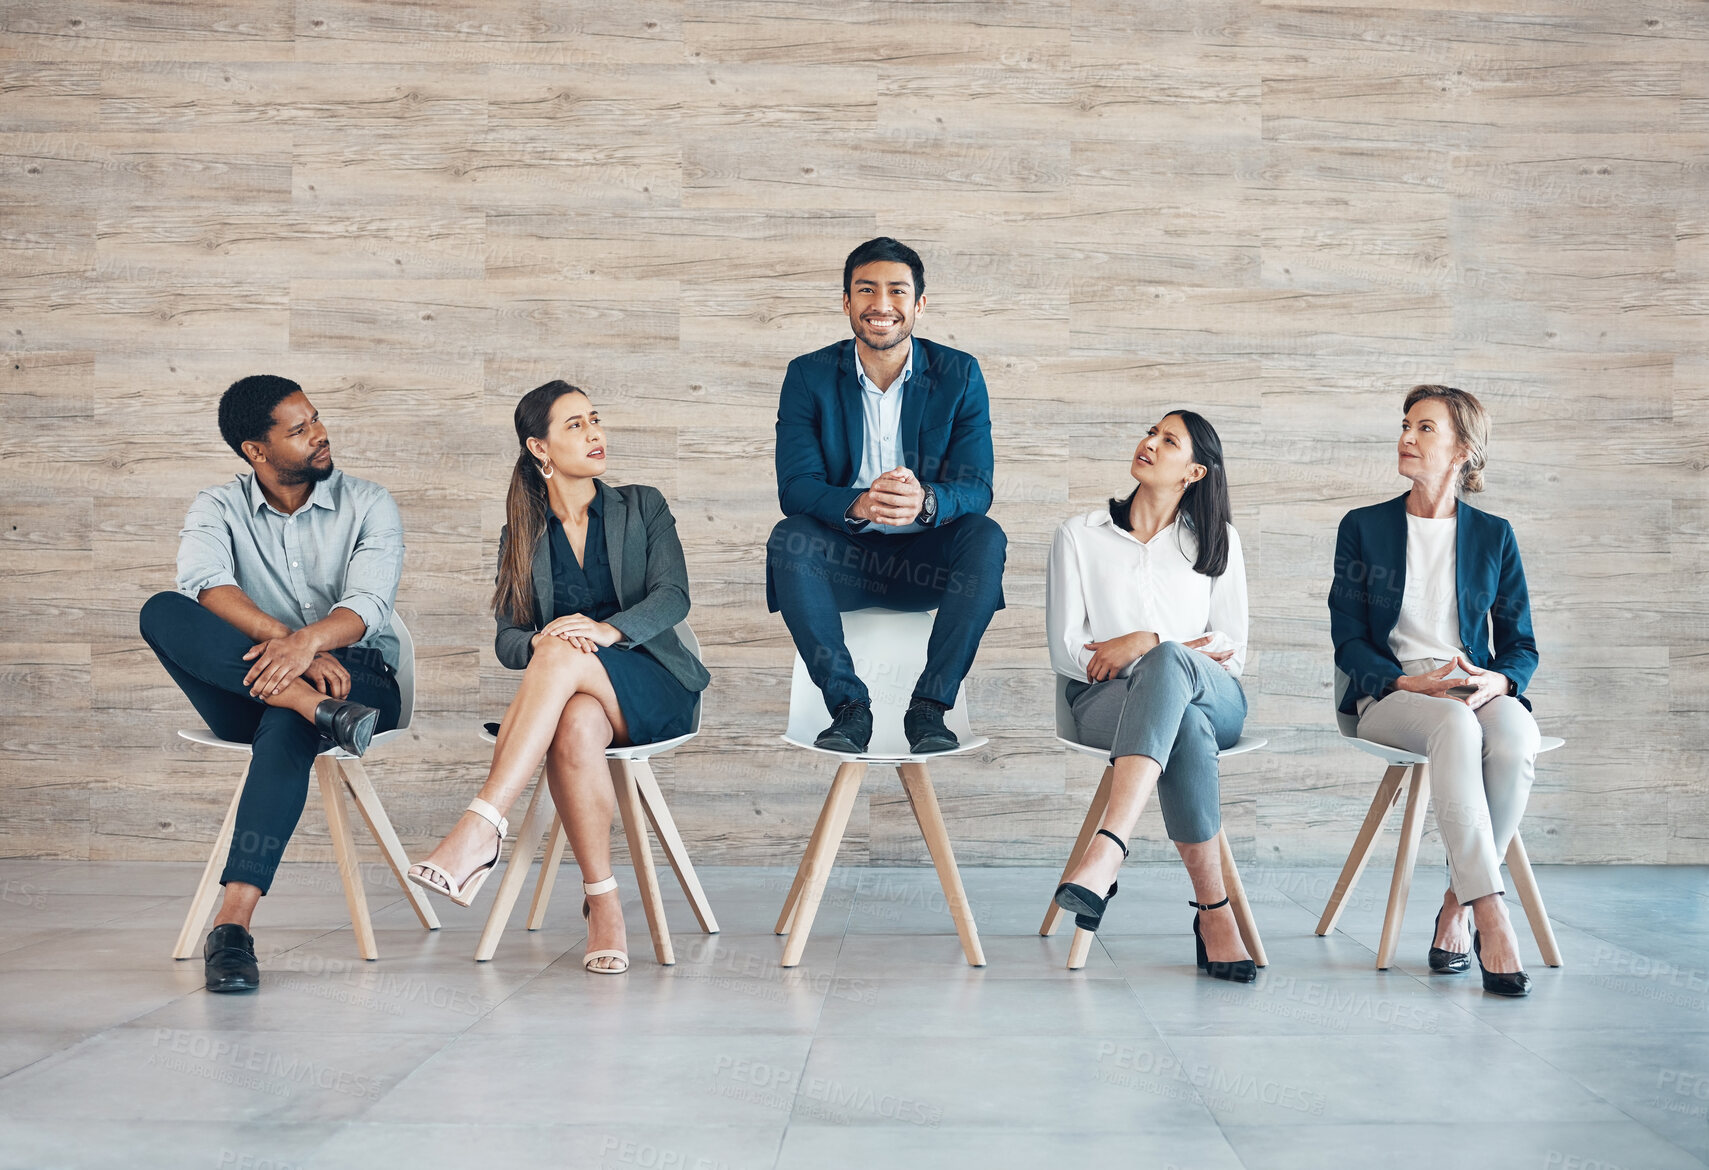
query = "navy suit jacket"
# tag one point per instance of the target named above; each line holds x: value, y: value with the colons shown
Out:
x: 946, y: 432
x: 1370, y: 577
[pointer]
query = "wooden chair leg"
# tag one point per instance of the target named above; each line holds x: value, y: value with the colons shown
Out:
x: 1079, y: 948
x: 1363, y: 846
x: 557, y: 842
x: 1236, y: 891
x: 1417, y: 799
x: 793, y: 898
x: 208, y: 888
x: 664, y: 828
x: 821, y: 853
x: 1525, y: 885
x: 1088, y: 829
x: 380, y: 827
x: 641, y: 855
x: 344, y: 849
x: 917, y: 783
x: 527, y: 841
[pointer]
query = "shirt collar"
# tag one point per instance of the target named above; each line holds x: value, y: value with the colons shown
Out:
x: 320, y: 497
x: 595, y: 506
x: 1102, y: 519
x: 870, y: 386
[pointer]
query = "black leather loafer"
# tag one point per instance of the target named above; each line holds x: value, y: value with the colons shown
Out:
x: 349, y: 725
x: 1446, y: 962
x: 230, y: 959
x: 1512, y: 983
x: 850, y: 730
x: 923, y: 724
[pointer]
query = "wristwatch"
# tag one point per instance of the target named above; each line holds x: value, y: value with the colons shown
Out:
x: 929, y: 509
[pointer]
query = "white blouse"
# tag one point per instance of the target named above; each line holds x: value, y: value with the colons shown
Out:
x: 1103, y: 582
x: 1428, y: 625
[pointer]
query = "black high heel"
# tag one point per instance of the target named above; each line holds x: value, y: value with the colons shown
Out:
x: 1443, y: 962
x: 1512, y: 983
x: 1234, y: 970
x: 1087, y: 908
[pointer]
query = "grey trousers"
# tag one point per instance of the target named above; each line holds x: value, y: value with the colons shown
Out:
x: 1180, y: 708
x: 1481, y: 766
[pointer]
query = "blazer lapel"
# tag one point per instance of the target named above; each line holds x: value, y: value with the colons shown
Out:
x: 616, y: 521
x: 1390, y: 554
x: 1467, y: 572
x: 543, y: 578
x: 914, y: 408
x: 848, y: 402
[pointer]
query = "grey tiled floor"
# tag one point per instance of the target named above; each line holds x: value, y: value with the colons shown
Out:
x: 882, y: 1049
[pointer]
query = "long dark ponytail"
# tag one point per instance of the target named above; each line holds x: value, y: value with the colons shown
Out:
x: 1204, y: 505
x: 526, y: 505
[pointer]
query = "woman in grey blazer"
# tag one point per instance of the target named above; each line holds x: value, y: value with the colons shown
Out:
x: 591, y: 583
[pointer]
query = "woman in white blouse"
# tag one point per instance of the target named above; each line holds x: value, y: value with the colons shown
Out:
x: 1146, y: 604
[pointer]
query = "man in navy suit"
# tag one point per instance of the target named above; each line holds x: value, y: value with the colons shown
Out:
x: 884, y: 475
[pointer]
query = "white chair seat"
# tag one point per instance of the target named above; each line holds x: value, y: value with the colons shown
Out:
x: 640, y: 751
x: 207, y: 738
x: 1246, y: 743
x: 1396, y: 758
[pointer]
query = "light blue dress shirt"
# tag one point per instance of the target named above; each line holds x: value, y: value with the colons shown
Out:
x: 344, y: 548
x: 881, y: 444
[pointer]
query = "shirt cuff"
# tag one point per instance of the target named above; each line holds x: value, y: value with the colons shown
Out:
x: 365, y: 608
x: 194, y: 589
x: 853, y: 524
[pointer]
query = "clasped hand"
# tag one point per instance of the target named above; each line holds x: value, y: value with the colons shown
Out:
x: 580, y: 631
x: 1489, y: 684
x: 279, y: 661
x: 1113, y: 655
x: 895, y: 498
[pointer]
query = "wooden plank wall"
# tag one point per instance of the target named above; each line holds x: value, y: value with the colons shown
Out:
x: 1279, y: 214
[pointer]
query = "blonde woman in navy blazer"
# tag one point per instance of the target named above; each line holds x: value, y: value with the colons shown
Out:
x: 1431, y: 621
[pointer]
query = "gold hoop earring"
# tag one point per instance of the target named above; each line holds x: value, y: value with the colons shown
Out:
x: 546, y: 470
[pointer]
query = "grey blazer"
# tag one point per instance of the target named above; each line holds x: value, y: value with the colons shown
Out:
x: 651, y: 577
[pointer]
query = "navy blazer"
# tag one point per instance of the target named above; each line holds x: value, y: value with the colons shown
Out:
x: 946, y: 432
x: 1370, y: 577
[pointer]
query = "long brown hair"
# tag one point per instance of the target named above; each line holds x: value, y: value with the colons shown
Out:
x: 526, y: 506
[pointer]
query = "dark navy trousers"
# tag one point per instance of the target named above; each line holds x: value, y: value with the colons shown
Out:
x: 204, y: 655
x: 818, y: 573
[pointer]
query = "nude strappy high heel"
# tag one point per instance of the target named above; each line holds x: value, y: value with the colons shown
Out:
x: 463, y: 893
x: 602, y: 887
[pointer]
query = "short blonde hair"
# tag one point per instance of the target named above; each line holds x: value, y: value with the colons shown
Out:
x: 1471, y: 427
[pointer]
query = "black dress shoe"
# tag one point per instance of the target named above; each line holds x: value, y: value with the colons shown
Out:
x: 923, y: 724
x: 850, y: 730
x: 230, y: 959
x: 1446, y: 962
x: 1514, y: 983
x: 1233, y: 970
x: 1087, y: 908
x: 349, y: 725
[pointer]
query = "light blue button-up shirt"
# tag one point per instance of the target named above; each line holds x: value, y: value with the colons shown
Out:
x: 344, y: 548
x: 881, y: 445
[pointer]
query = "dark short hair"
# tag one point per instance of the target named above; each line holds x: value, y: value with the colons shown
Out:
x: 885, y: 248
x: 246, y: 408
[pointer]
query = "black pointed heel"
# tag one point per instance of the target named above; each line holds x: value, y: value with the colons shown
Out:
x: 1087, y: 908
x: 1510, y: 983
x: 1235, y: 971
x: 1444, y: 962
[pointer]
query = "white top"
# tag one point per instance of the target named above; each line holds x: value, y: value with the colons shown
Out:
x: 1103, y: 583
x: 1429, y: 621
x: 881, y: 444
